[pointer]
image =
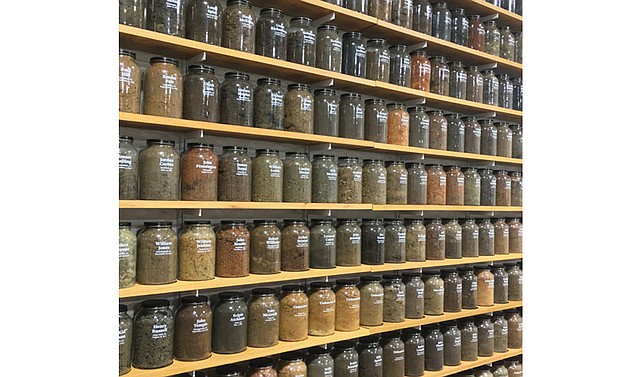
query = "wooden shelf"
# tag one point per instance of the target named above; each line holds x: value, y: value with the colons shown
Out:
x: 401, y: 207
x: 215, y: 360
x: 184, y: 125
x: 180, y: 204
x: 158, y: 43
x: 483, y: 8
x: 466, y: 365
x: 186, y: 286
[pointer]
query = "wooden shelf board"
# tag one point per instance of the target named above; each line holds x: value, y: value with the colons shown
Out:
x: 407, y: 207
x: 448, y: 154
x: 466, y: 365
x: 443, y: 263
x: 483, y: 8
x: 184, y: 204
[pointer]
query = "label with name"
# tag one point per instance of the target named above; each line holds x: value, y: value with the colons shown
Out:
x: 270, y: 315
x: 336, y: 45
x: 439, y: 346
x: 419, y: 292
x: 419, y: 351
x: 125, y: 76
x: 166, y: 165
x: 208, y: 88
x: 442, y: 180
x: 352, y: 367
x: 329, y: 239
x: 304, y: 172
x: 203, y: 246
x: 400, y: 296
x: 474, y: 286
x: 459, y: 288
x: 359, y: 113
x: 122, y: 334
x: 357, y: 176
x: 381, y: 179
x: 201, y: 325
x: 172, y: 4
x: 123, y: 250
x: 279, y: 30
x: 332, y: 175
x: 247, y: 21
x: 124, y: 162
x: 302, y: 241
x: 438, y: 291
x: 422, y: 237
x: 457, y: 341
x: 505, y: 281
x: 242, y: 170
x: 384, y: 58
x: 355, y: 238
x: 490, y: 283
x: 474, y: 337
x: 332, y: 108
x: 309, y: 37
x: 360, y: 51
x: 212, y: 12
x: 490, y: 334
x: 306, y: 104
x: 237, y: 319
x: 240, y: 244
x: 442, y: 237
x: 423, y: 180
x: 277, y: 99
x: 159, y: 331
x: 380, y: 238
x: 378, y: 298
x: 328, y: 372
x: 460, y: 181
x: 207, y: 167
x: 273, y: 242
x: 506, y: 232
x: 402, y: 237
x: 378, y: 361
x: 503, y: 331
x: 170, y: 82
x: 459, y: 235
x: 382, y: 116
x: 477, y: 132
x: 302, y: 311
x: 474, y: 234
x: 520, y: 232
x: 275, y: 170
x: 164, y: 248
x: 244, y: 95
x: 403, y: 179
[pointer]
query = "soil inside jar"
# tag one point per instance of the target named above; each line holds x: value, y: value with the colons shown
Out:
x: 396, y: 187
x: 157, y: 256
x: 192, y: 332
x: 153, y: 341
x: 127, y: 249
x: 294, y: 317
x: 394, y: 302
x: 347, y: 308
x: 263, y: 321
x: 349, y: 183
x: 197, y: 253
x: 321, y: 312
x: 295, y: 248
x: 233, y: 252
x: 265, y: 251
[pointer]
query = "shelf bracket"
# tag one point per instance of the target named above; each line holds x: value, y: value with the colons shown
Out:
x: 415, y: 102
x: 490, y: 114
x: 482, y: 67
x: 417, y: 46
x: 325, y: 19
x: 322, y: 84
x: 490, y: 17
x: 197, y: 134
x: 202, y: 57
x: 320, y: 147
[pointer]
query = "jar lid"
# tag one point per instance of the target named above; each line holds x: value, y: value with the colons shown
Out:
x: 234, y: 148
x: 448, y: 270
x: 451, y: 323
x: 199, y: 145
x: 235, y: 2
x: 125, y: 138
x: 316, y: 350
x: 124, y: 223
x: 373, y: 161
x: 230, y: 369
x: 411, y: 330
x: 456, y: 63
x: 432, y: 326
x: 344, y: 345
x: 294, y: 221
x: 394, y: 221
x: 391, y: 277
x: 160, y: 142
x: 465, y: 268
x: 298, y: 87
x: 411, y: 275
x: 431, y: 272
x: 267, y: 151
x: 327, y: 156
x: 264, y: 222
x: 261, y: 362
x: 194, y: 299
x: 351, y: 95
x: 472, y: 68
x: 398, y: 47
x: 440, y: 59
x: 268, y: 80
x: 292, y: 288
x: 370, y: 278
x: 131, y: 54
x: 498, y: 266
x: 295, y: 154
x: 371, y: 101
x: 454, y: 115
x: 510, y: 264
x: 346, y: 282
x: 265, y: 11
x: 396, y: 105
x: 236, y: 75
x: 391, y: 334
x: 122, y: 308
x: 380, y: 220
x: 348, y: 220
x: 435, y: 112
x: 229, y: 295
x: 156, y: 303
x: 158, y: 224
x: 389, y: 163
x: 369, y: 339
x: 345, y: 159
x: 201, y: 68
x: 330, y: 92
x: 376, y: 41
x: 328, y: 27
x: 197, y: 222
x: 303, y: 19
x: 163, y: 59
x: 416, y: 109
x: 323, y: 221
x: 291, y: 356
x: 232, y: 222
x: 419, y: 53
x: 352, y: 34
x: 457, y: 10
x: 488, y: 72
x: 263, y: 291
x: 482, y: 266
x: 321, y: 284
x: 474, y: 16
x: 498, y: 314
x: 470, y: 118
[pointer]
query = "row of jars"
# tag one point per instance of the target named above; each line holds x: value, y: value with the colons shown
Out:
x: 157, y: 335
x: 237, y: 27
x: 159, y: 172
x: 515, y: 6
x: 157, y: 255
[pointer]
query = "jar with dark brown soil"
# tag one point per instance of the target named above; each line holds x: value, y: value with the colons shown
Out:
x: 348, y: 243
x: 414, y: 295
x: 488, y: 137
x: 420, y: 71
x: 393, y: 299
x: 453, y: 290
x: 127, y: 250
x: 201, y: 93
x: 373, y: 242
x: 203, y: 21
x: 237, y: 99
x: 469, y: 340
x: 400, y: 65
x: 515, y: 236
x: 238, y: 30
x: 159, y: 170
x: 351, y: 116
x: 269, y: 104
x: 321, y: 309
x: 438, y: 130
x: 326, y: 112
x: 440, y: 75
x: 455, y: 186
x: 472, y: 135
x: 377, y: 58
x: 486, y: 238
x: 267, y: 180
x: 370, y: 356
x: 416, y: 184
x: 396, y: 188
x: 374, y: 182
x: 469, y: 244
x: 371, y: 293
x: 125, y: 340
x: 319, y: 362
x: 323, y: 245
x: 515, y: 329
x: 232, y: 250
x: 458, y: 80
x: 166, y: 17
x: 292, y: 364
x: 153, y: 333
x: 265, y: 247
x: 472, y: 187
x: 488, y: 187
x: 199, y: 174
x: 393, y: 354
x: 261, y: 367
x: 436, y: 185
x: 299, y: 109
x: 418, y: 127
x: 349, y: 180
x: 435, y: 240
x: 163, y: 88
x: 454, y: 239
x: 348, y: 305
x: 263, y: 318
x: 128, y: 174
x: 500, y: 332
x: 271, y: 28
x: 297, y: 178
x: 433, y: 348
x: 346, y: 359
x: 502, y: 237
x: 515, y: 282
x: 234, y: 181
x: 129, y: 82
x: 414, y: 352
x: 295, y: 246
x: 456, y: 133
x: 486, y: 284
x: 324, y: 179
x: 486, y: 336
x: 516, y: 189
x: 293, y: 314
x: 469, y: 281
x: 157, y: 254
x: 196, y: 251
x: 476, y: 35
x: 415, y: 245
x: 500, y: 286
x: 433, y: 292
x: 397, y: 124
x: 301, y: 41
x: 452, y: 344
x: 192, y: 329
x: 328, y: 48
x: 131, y: 12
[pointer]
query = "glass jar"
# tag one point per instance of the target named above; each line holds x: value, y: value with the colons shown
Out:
x: 163, y: 88
x: 349, y: 180
x: 433, y: 348
x: 196, y: 251
x: 230, y: 370
x: 374, y: 185
x: 456, y: 133
x: 435, y: 240
x: 396, y: 187
x: 297, y: 178
x: 470, y: 238
x: 370, y: 356
x: 486, y: 336
x: 353, y: 54
x: 267, y: 180
x: 377, y: 58
x: 373, y: 242
x: 356, y: 5
x: 469, y: 340
x: 442, y: 22
x: 380, y: 9
x: 414, y: 295
x: 455, y: 186
x: 397, y: 124
x: 492, y: 38
x: 415, y: 249
x: 348, y: 243
x: 348, y: 305
x: 260, y: 367
x: 268, y: 104
x: 488, y: 187
x: 436, y: 185
x: 420, y: 71
x: 328, y: 48
x: 422, y: 16
x: 192, y: 329
x: 472, y: 187
x: 499, y: 370
x: 263, y: 312
x: 500, y: 333
x: 502, y: 237
x: 157, y: 254
x: 324, y: 179
x: 319, y: 362
x: 234, y: 180
x: 321, y: 309
x: 486, y: 234
x: 452, y: 344
x: 515, y: 282
x: 131, y: 13
x: 395, y: 241
x: 476, y: 35
x: 469, y: 290
x: 453, y: 290
x: 506, y: 43
x: 482, y: 371
x: 203, y: 21
x: 500, y: 286
x: 393, y: 299
x: 419, y: 123
x: 237, y: 99
x: 293, y: 313
x: 515, y: 236
x: 506, y: 92
x: 291, y: 364
x: 346, y: 359
x: 488, y: 137
x: 459, y: 33
x: 129, y: 82
x: 326, y: 106
x: 486, y: 284
x: 437, y: 130
x: 153, y: 332
x: 414, y: 352
x: 238, y: 26
x: 265, y: 249
x: 301, y: 42
x: 393, y: 354
x: 504, y: 140
x: 515, y: 369
x: 515, y: 329
x: 199, y: 174
x: 127, y: 250
x: 472, y: 136
x: 295, y: 246
x: 433, y: 292
x: 159, y: 170
x: 323, y: 245
x: 490, y: 88
x: 458, y: 80
x: 518, y: 35
x: 517, y: 141
x: 166, y: 17
x: 127, y: 169
x: 416, y: 184
x: 201, y: 91
x: 440, y: 76
x: 271, y: 30
x: 402, y: 13
x: 125, y: 340
x: 232, y: 258
x: 371, y: 303
x: 299, y: 109
x: 475, y: 84
x: 375, y: 120
x: 517, y: 93
x: 454, y: 237
x: 351, y: 117
x: 503, y: 188
x: 400, y: 61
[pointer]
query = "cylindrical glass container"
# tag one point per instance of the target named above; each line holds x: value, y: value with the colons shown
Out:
x: 472, y: 187
x: 349, y: 180
x: 370, y: 356
x: 492, y: 38
x: 166, y: 17
x: 397, y: 124
x: 232, y: 258
x: 460, y: 27
x: 295, y: 246
x: 506, y: 91
x: 323, y: 245
x: 414, y: 352
x: 321, y: 309
x: 260, y: 367
x: 319, y: 362
x: 374, y: 182
x: 125, y: 340
x: 351, y: 117
x: 377, y: 59
x: 348, y: 305
x: 518, y: 35
x: 380, y: 9
x: 416, y: 184
x: 328, y: 48
x: 515, y: 282
x: 326, y: 112
x: 400, y: 64
x: 420, y: 71
x: 436, y: 185
x: 301, y: 41
x: 435, y: 240
x: 346, y: 359
x: 157, y: 254
x: 433, y: 348
x: 488, y: 187
x: 203, y: 21
x: 442, y: 21
x: 353, y: 54
x: 437, y: 130
x: 515, y: 329
x: 375, y: 120
x: 159, y: 170
x: 131, y: 12
x: 271, y: 29
x: 199, y: 173
x: 419, y: 123
x: 470, y: 238
x: 440, y: 75
x: 293, y: 314
x: 469, y: 340
x: 475, y: 85
x: 476, y: 33
x: 502, y: 237
x: 373, y: 241
x: 500, y: 286
x: 201, y: 92
x: 127, y: 250
x: 504, y: 140
x: 433, y: 292
x: 163, y: 88
x: 503, y: 188
x: 129, y: 82
x: 453, y: 290
x: 153, y: 335
x: 393, y: 354
x: 490, y: 88
x: 452, y: 344
x: 396, y: 188
x: 515, y: 236
x: 500, y: 333
x: 486, y: 283
x: 506, y: 43
x: 395, y: 241
x: 128, y: 175
x: 238, y: 26
x: 324, y: 179
x: 486, y: 234
x: 297, y: 178
x: 515, y: 369
x: 455, y: 186
x: 402, y: 13
x: 196, y: 251
x: 267, y: 180
x: 371, y: 303
x: 237, y: 99
x: 348, y: 243
x: 473, y: 132
x: 456, y: 133
x: 269, y: 104
x: 292, y: 364
x: 415, y: 249
x: 299, y: 109
x: 486, y: 336
x: 469, y: 282
x: 454, y: 236
x: 458, y: 80
x: 393, y: 299
x: 263, y: 321
x: 414, y: 295
x: 192, y: 329
x: 517, y: 141
x: 423, y: 16
x: 265, y: 249
x: 234, y: 181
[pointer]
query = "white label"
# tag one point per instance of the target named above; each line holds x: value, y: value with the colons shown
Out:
x: 399, y: 358
x: 457, y: 341
x: 332, y: 175
x: 240, y: 244
x: 442, y: 180
x: 207, y: 167
x: 403, y: 178
x: 332, y: 108
x: 491, y: 334
x: 352, y: 367
x: 420, y: 350
x: 244, y: 95
x: 203, y: 246
x: 424, y: 69
x: 380, y: 238
x: 212, y: 12
x: 490, y: 283
x: 237, y: 319
x: 520, y: 232
x: 507, y: 185
x: 384, y: 58
x: 459, y: 235
x: 378, y: 298
x: 474, y: 337
x: 439, y: 345
x: 505, y: 281
x: 503, y: 331
x: 460, y: 181
x: 304, y: 172
x: 381, y: 179
x: 329, y: 239
x: 474, y: 234
x: 520, y: 280
x: 330, y: 306
x: 309, y: 37
x: 378, y: 360
x: 352, y: 299
x: 357, y: 176
x: 328, y: 372
x: 270, y: 315
x: 279, y: 30
x: 125, y: 76
x: 122, y: 334
x: 163, y: 248
x: 506, y: 232
x: 360, y: 51
x: 408, y: 4
x: 172, y: 4
x: 275, y: 170
x: 242, y: 170
x: 493, y: 184
x: 438, y: 291
x: 200, y: 326
x: 336, y: 45
x: 246, y: 21
x: 474, y: 286
x: 302, y: 310
x: 400, y: 296
x: 273, y: 243
x: 442, y: 237
x: 420, y: 292
x: 459, y: 288
x: 520, y: 326
x: 461, y: 76
x: 302, y: 241
x: 159, y: 331
x: 382, y: 116
x: 355, y: 238
x: 306, y: 104
x: 422, y: 237
x: 359, y: 113
x: 494, y: 133
x: 170, y: 82
x: 477, y: 132
x: 423, y: 180
x: 402, y: 237
x: 123, y: 250
x: 208, y: 88
x: 277, y: 99
x: 124, y: 162
x: 166, y: 165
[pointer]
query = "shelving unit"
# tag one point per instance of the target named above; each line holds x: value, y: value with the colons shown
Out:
x: 466, y: 365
